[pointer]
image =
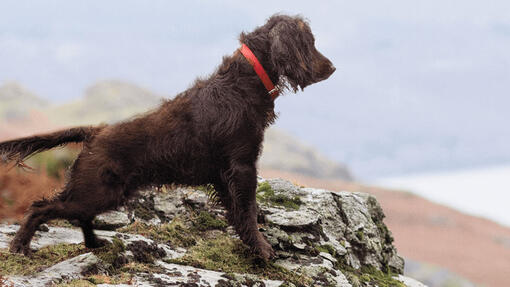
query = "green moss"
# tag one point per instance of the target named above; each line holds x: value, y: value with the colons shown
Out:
x: 266, y: 194
x: 382, y: 279
x: 230, y: 255
x: 327, y: 248
x: 360, y: 235
x: 136, y: 267
x: 112, y: 254
x: 175, y: 233
x: 205, y: 221
x: 16, y: 264
x: 264, y: 187
x: 61, y: 223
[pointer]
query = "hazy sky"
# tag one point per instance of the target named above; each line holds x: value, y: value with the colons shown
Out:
x: 420, y: 85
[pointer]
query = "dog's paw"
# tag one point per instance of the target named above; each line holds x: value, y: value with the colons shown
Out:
x: 265, y: 253
x: 21, y: 249
x: 264, y: 249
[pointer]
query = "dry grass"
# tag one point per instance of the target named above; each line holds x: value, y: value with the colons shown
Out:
x: 18, y: 189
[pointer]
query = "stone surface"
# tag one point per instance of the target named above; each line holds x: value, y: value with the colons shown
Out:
x: 111, y: 220
x: 409, y: 282
x: 179, y: 275
x: 63, y: 271
x: 352, y: 223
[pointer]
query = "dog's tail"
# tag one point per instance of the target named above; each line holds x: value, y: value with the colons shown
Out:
x: 20, y: 149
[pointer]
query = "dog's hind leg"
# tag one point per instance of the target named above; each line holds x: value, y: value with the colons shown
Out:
x: 40, y: 212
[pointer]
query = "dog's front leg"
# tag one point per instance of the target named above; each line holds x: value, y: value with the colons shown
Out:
x: 242, y: 185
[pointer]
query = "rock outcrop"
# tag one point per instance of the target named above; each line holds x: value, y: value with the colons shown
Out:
x: 178, y: 236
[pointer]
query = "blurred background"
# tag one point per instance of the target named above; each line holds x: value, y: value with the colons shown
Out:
x: 417, y: 112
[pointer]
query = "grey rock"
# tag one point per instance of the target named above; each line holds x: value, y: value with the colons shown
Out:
x: 54, y: 235
x: 351, y: 223
x: 111, y: 220
x: 409, y: 282
x: 175, y: 275
x: 170, y: 203
x: 63, y: 271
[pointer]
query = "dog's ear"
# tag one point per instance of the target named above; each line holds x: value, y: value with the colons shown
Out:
x: 290, y: 53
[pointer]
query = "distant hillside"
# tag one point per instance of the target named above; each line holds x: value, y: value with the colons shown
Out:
x: 106, y: 101
x: 16, y: 102
x: 286, y: 153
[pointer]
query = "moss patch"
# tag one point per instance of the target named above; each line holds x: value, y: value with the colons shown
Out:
x: 205, y: 221
x: 373, y: 276
x: 61, y: 223
x: 266, y: 194
x: 16, y: 264
x: 121, y: 278
x: 112, y: 254
x: 229, y: 255
x: 175, y: 233
x: 360, y: 235
x: 327, y: 248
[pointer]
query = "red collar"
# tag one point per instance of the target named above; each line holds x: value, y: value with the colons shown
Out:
x: 248, y: 54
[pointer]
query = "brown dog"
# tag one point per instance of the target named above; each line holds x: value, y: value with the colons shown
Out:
x: 210, y: 133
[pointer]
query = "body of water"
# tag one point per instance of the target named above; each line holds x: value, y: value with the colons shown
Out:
x: 484, y: 192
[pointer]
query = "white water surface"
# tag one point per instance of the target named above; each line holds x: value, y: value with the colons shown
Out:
x: 483, y: 192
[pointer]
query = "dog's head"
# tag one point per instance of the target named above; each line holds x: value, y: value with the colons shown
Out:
x: 293, y: 54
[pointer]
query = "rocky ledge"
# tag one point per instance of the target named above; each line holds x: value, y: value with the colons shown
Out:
x: 176, y: 236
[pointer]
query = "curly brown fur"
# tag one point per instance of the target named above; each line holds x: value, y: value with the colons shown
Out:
x: 209, y: 134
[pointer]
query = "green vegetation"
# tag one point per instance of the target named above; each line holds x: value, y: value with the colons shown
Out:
x: 266, y: 194
x: 360, y: 235
x: 230, y: 255
x: 60, y: 223
x: 111, y: 254
x: 382, y: 279
x: 205, y: 221
x: 210, y: 192
x: 327, y: 248
x: 175, y: 233
x: 93, y: 280
x: 17, y: 264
